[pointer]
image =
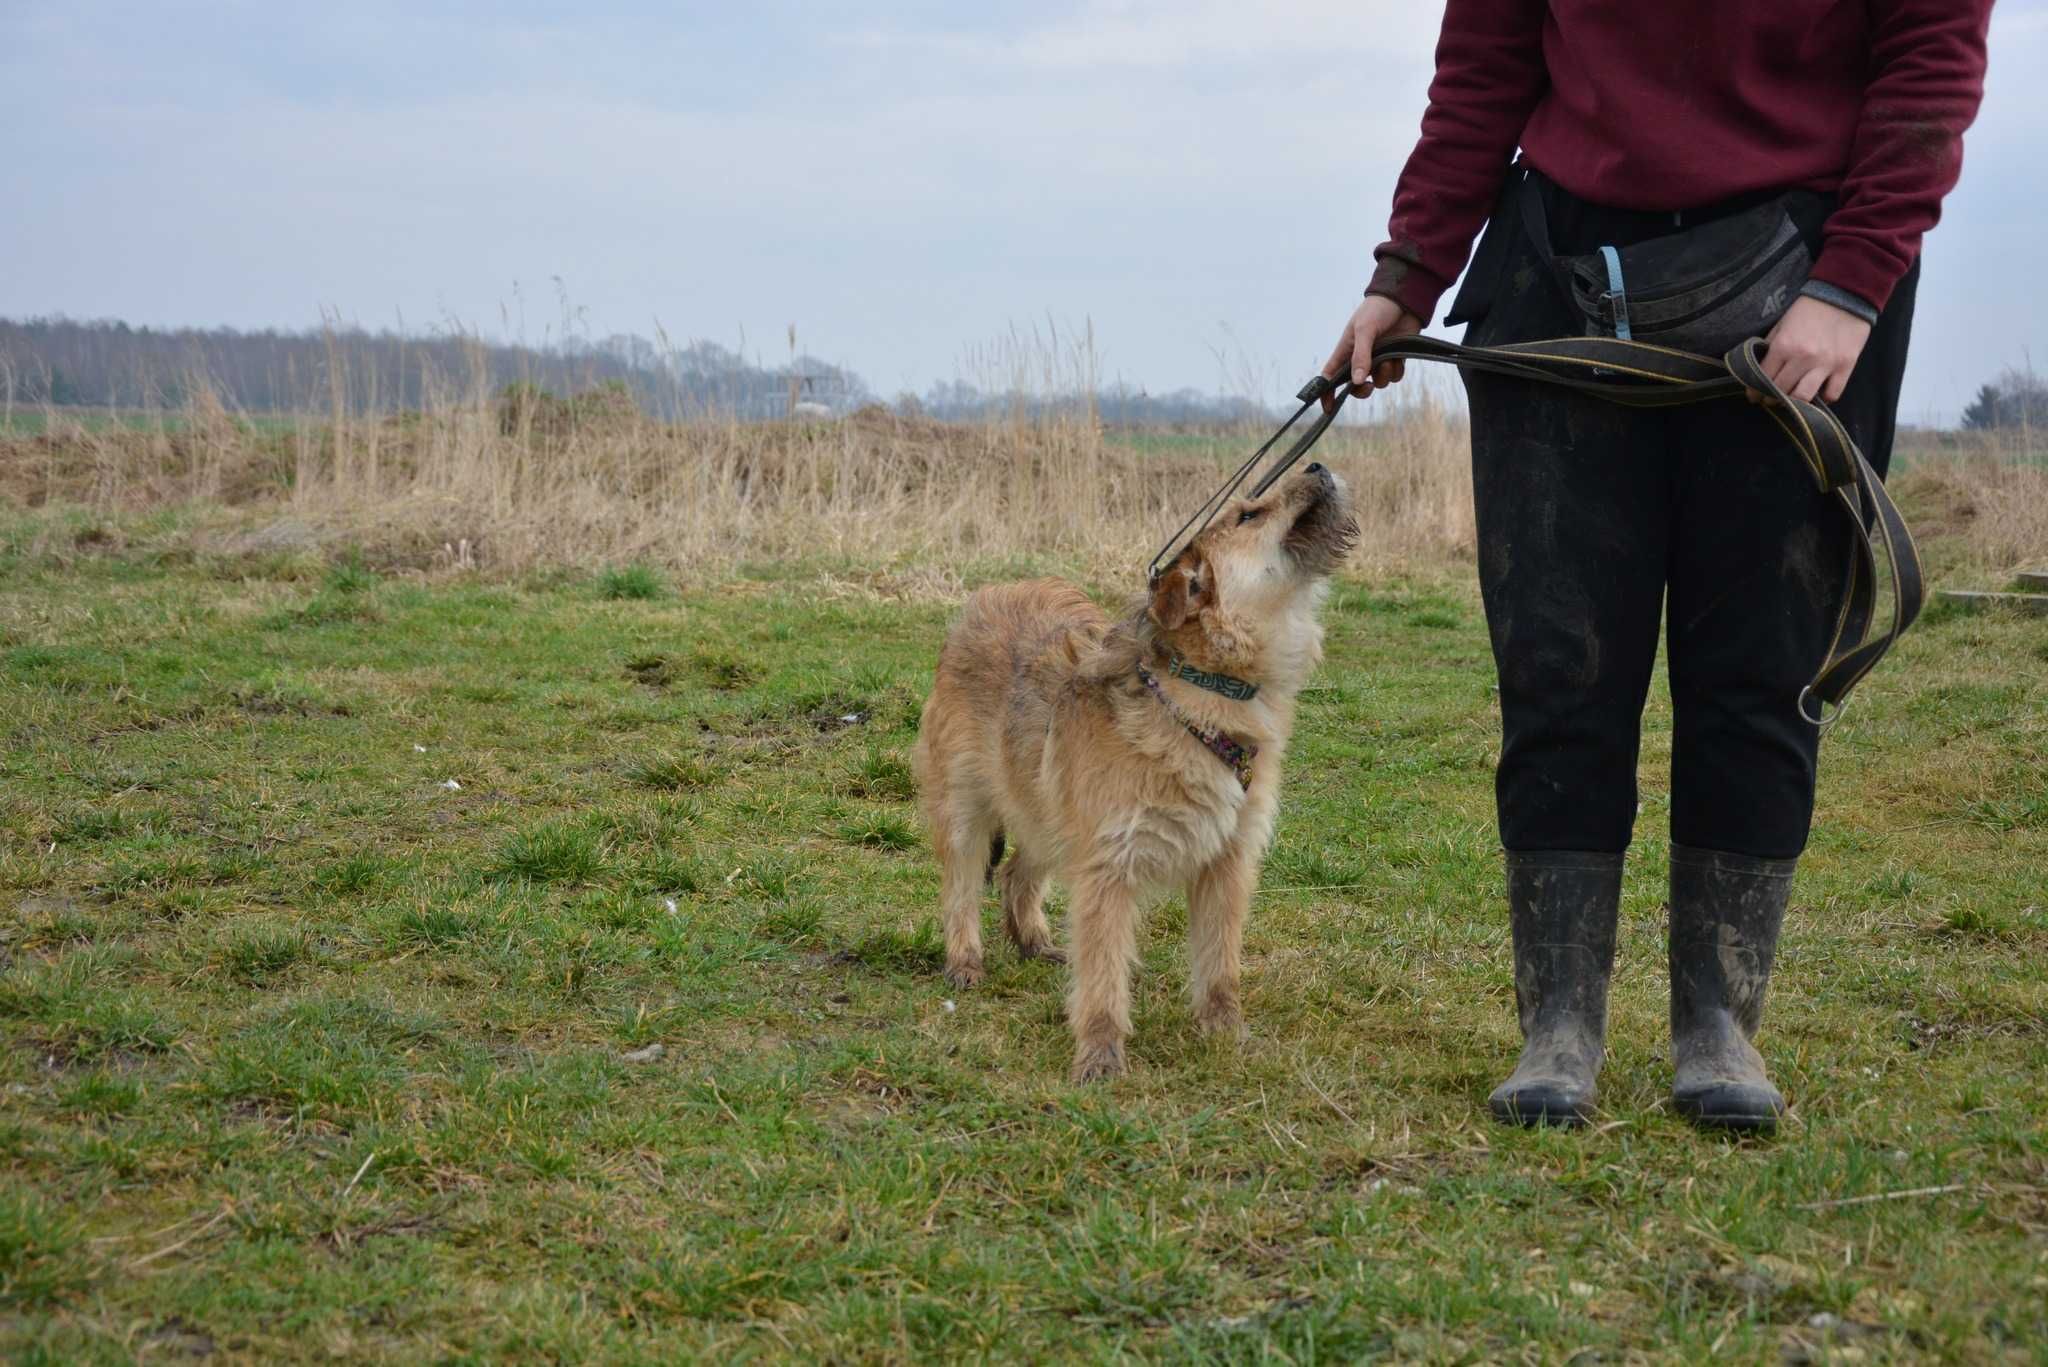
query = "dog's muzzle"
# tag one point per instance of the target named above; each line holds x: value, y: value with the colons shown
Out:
x: 1323, y: 532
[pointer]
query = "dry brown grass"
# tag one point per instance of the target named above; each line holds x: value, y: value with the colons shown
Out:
x: 1978, y: 504
x: 706, y: 496
x: 578, y: 485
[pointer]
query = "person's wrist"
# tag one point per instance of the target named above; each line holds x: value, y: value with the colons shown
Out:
x: 1834, y: 296
x: 1415, y: 289
x: 1399, y: 314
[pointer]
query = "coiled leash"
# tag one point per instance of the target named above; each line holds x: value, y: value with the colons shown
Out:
x: 1643, y: 375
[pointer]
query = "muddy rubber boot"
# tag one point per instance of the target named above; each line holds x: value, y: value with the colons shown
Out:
x: 1725, y: 914
x: 1562, y: 906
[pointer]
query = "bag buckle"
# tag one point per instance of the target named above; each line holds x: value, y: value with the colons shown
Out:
x: 1616, y: 298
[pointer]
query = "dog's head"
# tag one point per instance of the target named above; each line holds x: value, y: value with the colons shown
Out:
x: 1258, y: 566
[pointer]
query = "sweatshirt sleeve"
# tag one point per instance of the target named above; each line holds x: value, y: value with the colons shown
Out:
x: 1926, y: 80
x: 1490, y: 74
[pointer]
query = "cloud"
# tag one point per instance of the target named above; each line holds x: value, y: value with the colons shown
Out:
x: 900, y: 179
x: 1111, y: 35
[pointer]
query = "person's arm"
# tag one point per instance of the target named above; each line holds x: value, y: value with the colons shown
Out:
x: 1927, y: 61
x: 1927, y: 78
x: 1489, y: 77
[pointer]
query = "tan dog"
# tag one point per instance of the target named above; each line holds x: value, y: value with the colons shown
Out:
x: 1124, y: 759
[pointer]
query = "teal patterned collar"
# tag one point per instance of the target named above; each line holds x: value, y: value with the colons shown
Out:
x: 1225, y: 685
x: 1226, y: 747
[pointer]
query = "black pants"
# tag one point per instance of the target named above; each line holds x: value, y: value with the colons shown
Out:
x: 1592, y: 517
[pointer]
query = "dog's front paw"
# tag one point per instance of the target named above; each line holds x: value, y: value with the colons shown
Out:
x: 1099, y: 1062
x: 1044, y: 949
x: 964, y: 973
x: 1222, y: 1019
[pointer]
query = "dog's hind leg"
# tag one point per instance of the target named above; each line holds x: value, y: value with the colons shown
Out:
x: 1024, y: 920
x: 1217, y: 902
x: 963, y: 846
x: 1104, y: 931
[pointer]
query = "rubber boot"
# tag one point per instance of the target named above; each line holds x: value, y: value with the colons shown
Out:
x: 1725, y: 914
x: 1562, y: 906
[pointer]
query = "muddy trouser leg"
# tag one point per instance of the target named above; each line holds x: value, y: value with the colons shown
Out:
x: 1757, y: 564
x: 1758, y: 560
x: 1757, y: 556
x: 1571, y: 497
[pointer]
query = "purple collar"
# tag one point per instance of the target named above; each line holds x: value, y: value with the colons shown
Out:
x: 1232, y: 751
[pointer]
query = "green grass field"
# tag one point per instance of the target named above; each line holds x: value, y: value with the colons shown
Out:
x: 344, y: 914
x: 34, y: 422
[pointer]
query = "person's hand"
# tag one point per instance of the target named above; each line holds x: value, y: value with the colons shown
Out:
x: 1812, y: 350
x: 1375, y: 317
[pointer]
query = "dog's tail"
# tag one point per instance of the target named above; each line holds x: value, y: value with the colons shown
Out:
x: 995, y: 857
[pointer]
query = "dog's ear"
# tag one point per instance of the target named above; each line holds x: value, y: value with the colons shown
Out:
x: 1184, y: 590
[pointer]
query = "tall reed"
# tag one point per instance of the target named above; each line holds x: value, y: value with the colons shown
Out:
x: 531, y: 480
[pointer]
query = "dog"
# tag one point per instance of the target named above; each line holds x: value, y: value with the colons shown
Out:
x: 1126, y: 758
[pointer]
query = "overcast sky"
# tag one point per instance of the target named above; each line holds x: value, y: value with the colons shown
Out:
x: 901, y: 179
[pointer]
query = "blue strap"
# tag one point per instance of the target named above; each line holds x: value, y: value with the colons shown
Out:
x: 1616, y: 292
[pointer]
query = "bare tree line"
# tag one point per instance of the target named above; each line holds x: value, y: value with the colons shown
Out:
x: 106, y: 363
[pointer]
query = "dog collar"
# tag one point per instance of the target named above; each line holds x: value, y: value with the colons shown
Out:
x: 1232, y: 751
x: 1227, y: 685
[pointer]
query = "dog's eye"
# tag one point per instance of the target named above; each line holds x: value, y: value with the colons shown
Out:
x: 1250, y: 515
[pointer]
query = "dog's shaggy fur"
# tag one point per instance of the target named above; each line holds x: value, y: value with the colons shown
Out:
x: 1039, y: 730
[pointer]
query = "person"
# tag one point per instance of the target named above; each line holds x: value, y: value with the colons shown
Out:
x: 1637, y: 122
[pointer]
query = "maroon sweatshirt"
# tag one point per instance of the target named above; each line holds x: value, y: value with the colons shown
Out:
x: 1678, y: 104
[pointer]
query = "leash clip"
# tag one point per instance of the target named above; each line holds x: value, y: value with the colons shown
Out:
x: 1820, y: 717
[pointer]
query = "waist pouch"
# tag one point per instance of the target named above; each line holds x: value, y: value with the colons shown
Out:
x: 1682, y: 324
x: 1703, y: 289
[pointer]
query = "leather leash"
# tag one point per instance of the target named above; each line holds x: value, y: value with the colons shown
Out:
x: 1643, y: 375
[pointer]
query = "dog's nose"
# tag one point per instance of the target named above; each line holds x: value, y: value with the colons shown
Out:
x: 1315, y: 468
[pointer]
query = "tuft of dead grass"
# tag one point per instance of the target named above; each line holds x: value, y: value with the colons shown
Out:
x: 522, y: 483
x: 1977, y: 503
x: 530, y: 486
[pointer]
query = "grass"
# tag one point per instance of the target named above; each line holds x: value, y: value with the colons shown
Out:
x: 474, y: 482
x: 635, y: 582
x: 34, y: 422
x: 477, y: 481
x: 306, y: 1053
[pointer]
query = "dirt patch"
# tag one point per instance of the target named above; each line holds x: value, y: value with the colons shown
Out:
x: 1827, y: 1337
x: 49, y: 904
x: 1403, y: 1172
x: 144, y: 720
x: 837, y: 713
x: 722, y: 670
x: 346, y: 1238
x: 881, y: 1091
x: 651, y: 671
x: 270, y: 703
x: 179, y: 1338
x: 753, y: 742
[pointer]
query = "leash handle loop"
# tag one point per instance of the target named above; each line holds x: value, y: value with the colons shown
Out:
x: 1310, y: 394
